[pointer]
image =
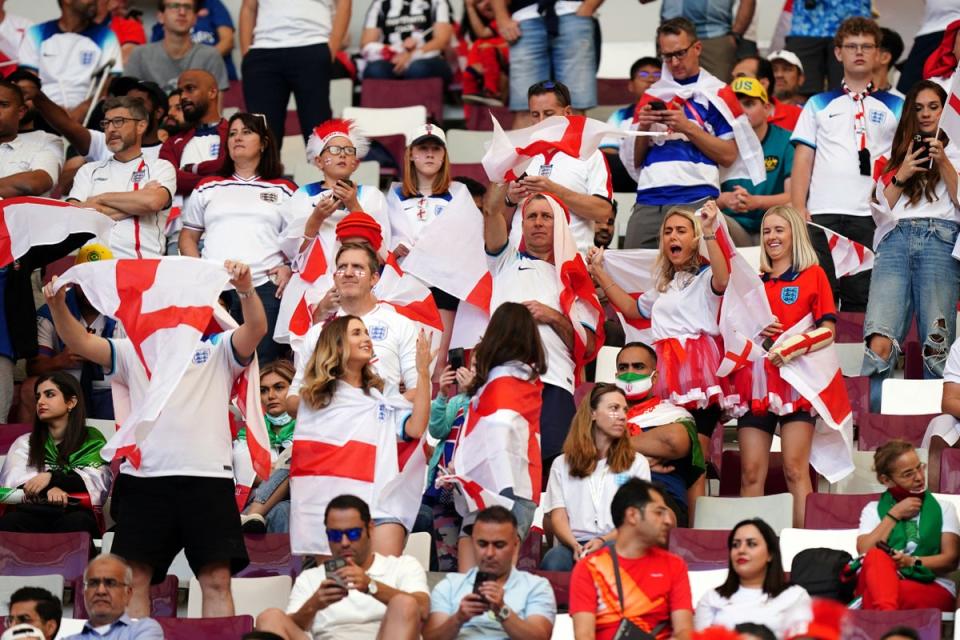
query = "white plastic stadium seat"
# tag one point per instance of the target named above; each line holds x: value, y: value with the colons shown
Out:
x: 851, y: 357
x: 69, y: 627
x: 793, y: 541
x: 467, y: 146
x: 367, y: 173
x: 251, y: 596
x: 606, y: 364
x: 864, y: 478
x: 703, y: 581
x: 752, y: 256
x: 341, y: 95
x: 293, y: 155
x: 562, y: 627
x: 387, y: 122
x: 9, y: 584
x: 625, y: 202
x: 107, y: 427
x: 418, y: 546
x: 724, y: 513
x: 911, y: 397
x: 616, y: 57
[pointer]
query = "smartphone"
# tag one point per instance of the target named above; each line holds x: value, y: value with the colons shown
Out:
x: 886, y: 548
x: 331, y: 567
x: 920, y: 143
x: 482, y: 576
x: 658, y: 106
x: 346, y: 181
x: 456, y: 358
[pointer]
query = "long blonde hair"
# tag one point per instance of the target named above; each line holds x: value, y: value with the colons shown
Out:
x: 328, y: 364
x: 665, y: 269
x: 802, y: 254
x: 579, y: 448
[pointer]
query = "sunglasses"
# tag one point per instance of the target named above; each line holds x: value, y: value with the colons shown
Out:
x: 336, y: 535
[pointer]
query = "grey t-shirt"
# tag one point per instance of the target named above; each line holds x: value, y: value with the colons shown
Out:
x: 151, y: 62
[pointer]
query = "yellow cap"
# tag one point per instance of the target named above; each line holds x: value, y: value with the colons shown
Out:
x: 750, y: 87
x: 93, y: 252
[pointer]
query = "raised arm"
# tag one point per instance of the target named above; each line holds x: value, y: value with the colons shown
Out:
x: 417, y: 423
x: 249, y: 334
x: 495, y: 232
x: 74, y: 334
x: 58, y: 118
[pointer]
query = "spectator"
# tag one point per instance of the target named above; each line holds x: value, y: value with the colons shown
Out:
x: 583, y: 185
x: 163, y: 62
x: 232, y: 223
x: 174, y: 122
x: 751, y: 631
x: 54, y: 356
x: 533, y: 277
x: 597, y: 458
x: 891, y: 48
x: 214, y: 27
x: 12, y: 30
x: 921, y: 534
x: 784, y: 115
x: 477, y: 190
x: 493, y: 599
x: 644, y: 72
x: 28, y: 165
x: 558, y: 42
x: 407, y: 40
x: 35, y: 607
x: 369, y: 596
x: 834, y: 163
x: 32, y: 124
x: 207, y: 526
x: 126, y: 187
x: 937, y: 16
x: 788, y: 73
x: 68, y: 53
x: 683, y: 312
x: 663, y: 432
x: 60, y: 456
x: 394, y: 336
x: 107, y: 591
x: 126, y: 24
x: 901, y: 633
x: 486, y: 74
x: 916, y: 213
x: 289, y: 46
x: 268, y: 509
x: 719, y: 30
x: 684, y: 169
x: 812, y: 39
x: 655, y: 592
x: 341, y: 392
x: 603, y: 233
x: 756, y: 589
x: 744, y: 202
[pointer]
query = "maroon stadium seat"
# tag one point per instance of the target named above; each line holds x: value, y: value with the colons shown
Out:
x: 470, y: 170
x: 835, y: 510
x: 560, y: 581
x: 775, y: 483
x: 950, y: 471
x: 850, y: 326
x: 613, y: 91
x: 700, y: 548
x: 388, y: 94
x: 868, y: 625
x: 206, y: 628
x: 858, y: 390
x: 479, y: 117
x: 531, y: 551
x: 163, y: 599
x: 270, y: 556
x: 877, y: 429
x: 40, y: 554
x: 9, y: 433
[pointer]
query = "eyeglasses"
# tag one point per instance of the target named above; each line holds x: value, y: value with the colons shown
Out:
x: 178, y: 6
x: 336, y: 535
x: 23, y: 618
x: 910, y: 473
x: 109, y: 583
x: 675, y: 55
x: 643, y: 75
x: 117, y: 122
x: 337, y: 150
x: 853, y: 48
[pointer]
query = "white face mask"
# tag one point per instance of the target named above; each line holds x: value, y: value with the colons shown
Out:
x: 635, y: 386
x: 278, y: 421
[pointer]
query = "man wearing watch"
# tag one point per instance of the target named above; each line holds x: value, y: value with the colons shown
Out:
x: 371, y: 596
x: 504, y: 602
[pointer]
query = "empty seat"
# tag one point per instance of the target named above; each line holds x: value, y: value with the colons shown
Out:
x: 606, y: 370
x: 10, y: 432
x: 775, y: 482
x: 465, y: 146
x: 341, y: 95
x: 39, y: 554
x: 724, y: 513
x: 9, y: 584
x: 368, y: 173
x: 378, y: 93
x: 269, y: 556
x: 850, y: 355
x: 418, y: 545
x: 386, y: 122
x: 703, y: 581
x: 867, y: 625
x: 878, y: 428
x: 850, y: 326
x: 700, y: 548
x: 858, y: 390
x: 470, y: 170
x: 911, y: 397
x: 206, y: 628
x: 949, y: 471
x: 69, y: 627
x: 793, y: 541
x: 560, y: 581
x: 251, y: 596
x: 752, y: 256
x: 562, y: 627
x: 835, y: 510
x: 163, y: 598
x: 480, y: 117
x: 864, y: 478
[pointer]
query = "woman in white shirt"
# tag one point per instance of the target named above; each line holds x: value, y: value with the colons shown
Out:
x: 597, y: 459
x: 756, y: 589
x: 916, y: 212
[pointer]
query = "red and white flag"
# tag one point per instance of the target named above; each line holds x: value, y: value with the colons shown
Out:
x: 408, y: 296
x: 849, y: 257
x: 950, y: 117
x: 578, y: 136
x: 634, y: 271
x: 744, y: 313
x: 499, y: 447
x: 27, y: 222
x: 310, y: 281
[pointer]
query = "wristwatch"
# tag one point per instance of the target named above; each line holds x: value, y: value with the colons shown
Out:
x: 503, y: 614
x: 372, y: 587
x: 917, y: 562
x: 895, y: 182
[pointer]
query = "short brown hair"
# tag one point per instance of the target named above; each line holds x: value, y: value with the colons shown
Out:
x: 887, y: 454
x: 858, y: 26
x: 372, y: 260
x: 676, y: 26
x: 136, y: 106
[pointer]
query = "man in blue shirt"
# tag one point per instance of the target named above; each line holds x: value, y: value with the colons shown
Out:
x: 507, y: 602
x: 107, y: 588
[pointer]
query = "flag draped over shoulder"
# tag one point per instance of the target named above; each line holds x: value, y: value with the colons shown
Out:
x: 849, y: 257
x: 311, y: 279
x: 27, y: 222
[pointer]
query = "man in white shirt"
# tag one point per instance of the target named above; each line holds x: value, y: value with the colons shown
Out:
x: 367, y: 595
x: 182, y: 494
x: 28, y: 167
x: 128, y: 187
x: 394, y: 336
x: 584, y: 185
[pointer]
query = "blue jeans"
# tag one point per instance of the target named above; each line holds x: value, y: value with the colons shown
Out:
x: 569, y: 57
x: 278, y: 518
x: 559, y: 558
x: 913, y: 273
x: 435, y: 67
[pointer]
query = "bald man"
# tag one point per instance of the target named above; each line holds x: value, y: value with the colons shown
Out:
x: 107, y: 590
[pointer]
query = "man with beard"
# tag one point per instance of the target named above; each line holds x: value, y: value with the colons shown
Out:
x: 128, y: 187
x: 603, y: 231
x: 32, y: 125
x: 173, y: 123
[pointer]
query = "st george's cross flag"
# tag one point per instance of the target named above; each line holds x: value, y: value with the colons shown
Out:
x: 849, y: 257
x: 950, y: 118
x: 27, y: 222
x: 633, y: 270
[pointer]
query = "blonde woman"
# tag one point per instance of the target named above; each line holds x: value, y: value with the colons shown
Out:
x: 347, y: 436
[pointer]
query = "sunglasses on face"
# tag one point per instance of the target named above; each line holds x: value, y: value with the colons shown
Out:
x: 336, y: 535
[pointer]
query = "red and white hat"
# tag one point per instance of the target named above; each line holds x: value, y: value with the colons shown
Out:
x: 426, y: 132
x: 323, y: 133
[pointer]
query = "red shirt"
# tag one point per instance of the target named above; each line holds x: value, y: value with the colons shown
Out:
x: 660, y: 574
x: 793, y: 295
x: 785, y: 115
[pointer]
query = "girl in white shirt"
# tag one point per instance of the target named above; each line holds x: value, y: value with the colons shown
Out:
x: 597, y: 459
x: 756, y: 589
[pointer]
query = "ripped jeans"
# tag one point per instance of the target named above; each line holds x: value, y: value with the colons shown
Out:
x: 914, y: 272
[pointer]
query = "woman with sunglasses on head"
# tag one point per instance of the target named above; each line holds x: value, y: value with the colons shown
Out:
x: 910, y: 540
x: 348, y: 430
x: 60, y: 457
x: 242, y: 215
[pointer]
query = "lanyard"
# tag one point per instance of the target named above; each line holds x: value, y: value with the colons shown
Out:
x: 860, y: 117
x: 596, y: 491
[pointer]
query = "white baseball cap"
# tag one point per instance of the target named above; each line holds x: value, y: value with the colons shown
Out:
x: 426, y: 132
x: 22, y: 631
x: 786, y: 56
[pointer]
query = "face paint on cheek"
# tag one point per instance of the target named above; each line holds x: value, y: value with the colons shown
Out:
x: 328, y: 161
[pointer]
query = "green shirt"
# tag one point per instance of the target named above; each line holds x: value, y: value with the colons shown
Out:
x: 778, y: 160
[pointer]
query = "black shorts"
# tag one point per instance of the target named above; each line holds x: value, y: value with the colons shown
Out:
x: 157, y: 517
x: 707, y: 419
x: 768, y: 421
x: 444, y: 300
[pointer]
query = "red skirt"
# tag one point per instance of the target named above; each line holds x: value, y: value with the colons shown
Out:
x: 760, y: 389
x: 687, y: 372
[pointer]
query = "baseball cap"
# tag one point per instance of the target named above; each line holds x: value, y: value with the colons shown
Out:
x: 426, y: 132
x: 22, y: 631
x: 786, y: 56
x: 93, y: 252
x: 750, y: 87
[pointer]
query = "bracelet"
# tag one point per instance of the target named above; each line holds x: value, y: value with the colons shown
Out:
x: 604, y: 289
x: 305, y: 237
x: 710, y: 237
x: 249, y: 293
x: 508, y: 202
x: 893, y: 517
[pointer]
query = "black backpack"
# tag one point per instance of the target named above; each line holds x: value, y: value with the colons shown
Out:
x: 821, y: 572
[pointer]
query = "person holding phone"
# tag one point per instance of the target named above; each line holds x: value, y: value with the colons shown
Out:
x: 910, y: 540
x: 917, y: 212
x: 358, y: 593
